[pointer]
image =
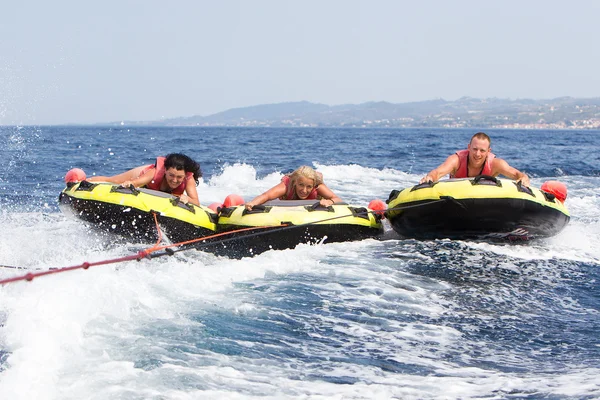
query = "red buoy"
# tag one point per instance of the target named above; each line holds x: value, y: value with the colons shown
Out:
x: 233, y: 200
x: 377, y: 205
x: 75, y: 175
x: 558, y: 189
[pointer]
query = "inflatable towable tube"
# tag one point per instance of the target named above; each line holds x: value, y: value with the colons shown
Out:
x: 283, y: 224
x: 130, y: 211
x: 477, y: 208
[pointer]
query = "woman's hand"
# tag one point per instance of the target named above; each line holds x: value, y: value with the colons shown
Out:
x: 184, y: 199
x: 326, y: 202
x: 249, y: 206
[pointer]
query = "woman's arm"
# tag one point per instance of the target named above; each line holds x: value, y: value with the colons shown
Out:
x: 142, y: 180
x: 274, y: 193
x: 125, y: 177
x: 191, y: 193
x: 328, y: 197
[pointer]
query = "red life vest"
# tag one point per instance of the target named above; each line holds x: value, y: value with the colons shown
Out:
x: 463, y: 165
x: 159, y: 175
x: 290, y: 191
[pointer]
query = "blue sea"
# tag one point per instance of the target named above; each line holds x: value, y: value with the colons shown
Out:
x: 373, y: 319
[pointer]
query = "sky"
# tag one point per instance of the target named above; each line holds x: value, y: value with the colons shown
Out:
x: 64, y: 62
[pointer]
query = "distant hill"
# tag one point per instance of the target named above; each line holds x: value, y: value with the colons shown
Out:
x: 559, y: 113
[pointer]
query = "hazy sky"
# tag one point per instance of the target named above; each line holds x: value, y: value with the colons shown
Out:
x: 87, y: 62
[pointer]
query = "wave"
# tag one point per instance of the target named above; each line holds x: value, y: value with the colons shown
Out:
x: 393, y: 318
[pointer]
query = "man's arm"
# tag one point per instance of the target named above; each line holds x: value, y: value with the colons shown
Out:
x: 448, y: 166
x: 501, y: 167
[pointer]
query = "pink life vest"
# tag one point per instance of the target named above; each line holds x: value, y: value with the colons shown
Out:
x: 463, y: 165
x: 159, y: 175
x: 290, y: 191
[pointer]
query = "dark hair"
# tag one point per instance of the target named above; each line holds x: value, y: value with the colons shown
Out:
x: 183, y: 162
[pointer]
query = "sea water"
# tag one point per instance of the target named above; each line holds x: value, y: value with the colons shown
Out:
x: 374, y: 319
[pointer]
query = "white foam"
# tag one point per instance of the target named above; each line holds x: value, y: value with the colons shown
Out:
x: 317, y: 316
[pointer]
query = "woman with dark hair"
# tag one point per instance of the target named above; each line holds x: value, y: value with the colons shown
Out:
x: 176, y: 173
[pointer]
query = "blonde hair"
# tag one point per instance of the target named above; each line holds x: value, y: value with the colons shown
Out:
x: 306, y: 172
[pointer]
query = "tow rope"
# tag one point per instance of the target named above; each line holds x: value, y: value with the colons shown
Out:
x: 169, y: 251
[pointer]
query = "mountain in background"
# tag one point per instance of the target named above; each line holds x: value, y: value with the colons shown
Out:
x: 559, y: 113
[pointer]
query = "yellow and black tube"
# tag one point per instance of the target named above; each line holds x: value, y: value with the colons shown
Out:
x: 281, y: 225
x: 130, y: 211
x: 475, y: 208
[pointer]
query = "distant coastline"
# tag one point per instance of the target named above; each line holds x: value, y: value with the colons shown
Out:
x: 466, y: 112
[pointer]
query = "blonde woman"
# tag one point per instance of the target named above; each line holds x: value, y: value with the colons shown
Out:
x: 303, y: 184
